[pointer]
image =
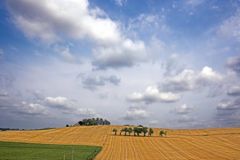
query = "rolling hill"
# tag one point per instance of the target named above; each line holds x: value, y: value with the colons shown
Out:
x: 214, y: 144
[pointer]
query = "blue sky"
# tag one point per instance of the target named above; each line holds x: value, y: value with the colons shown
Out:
x: 160, y: 63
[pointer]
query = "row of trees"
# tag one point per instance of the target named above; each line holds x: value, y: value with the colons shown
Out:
x: 137, y: 131
x: 93, y: 121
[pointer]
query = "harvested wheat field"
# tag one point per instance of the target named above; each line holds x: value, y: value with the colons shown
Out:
x: 212, y: 144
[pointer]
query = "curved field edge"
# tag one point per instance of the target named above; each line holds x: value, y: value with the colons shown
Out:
x: 22, y: 151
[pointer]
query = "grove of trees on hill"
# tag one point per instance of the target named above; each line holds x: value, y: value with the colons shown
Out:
x: 93, y: 121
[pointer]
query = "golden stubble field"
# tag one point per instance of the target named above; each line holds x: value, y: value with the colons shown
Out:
x: 202, y: 144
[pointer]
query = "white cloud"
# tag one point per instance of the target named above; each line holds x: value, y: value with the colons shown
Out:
x: 209, y: 75
x: 142, y: 23
x: 230, y: 28
x: 68, y: 106
x: 93, y: 81
x: 47, y: 20
x: 31, y: 108
x: 152, y: 94
x: 120, y: 2
x: 229, y: 104
x: 59, y: 102
x: 189, y: 79
x: 125, y: 53
x: 53, y: 21
x: 136, y: 113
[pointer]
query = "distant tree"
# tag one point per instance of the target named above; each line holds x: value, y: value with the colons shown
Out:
x: 130, y: 130
x: 125, y: 130
x: 122, y: 130
x: 115, y: 131
x: 144, y: 130
x: 93, y: 121
x: 162, y: 133
x: 106, y: 122
x: 137, y: 131
x: 67, y: 125
x: 150, y: 132
x: 80, y: 123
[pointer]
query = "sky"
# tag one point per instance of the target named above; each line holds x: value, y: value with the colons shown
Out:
x: 160, y: 63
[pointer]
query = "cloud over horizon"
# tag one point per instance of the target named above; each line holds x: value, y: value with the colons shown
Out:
x: 168, y: 64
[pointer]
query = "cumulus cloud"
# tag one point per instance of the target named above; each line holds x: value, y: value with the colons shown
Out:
x: 53, y: 21
x: 229, y: 104
x: 47, y: 20
x: 234, y: 91
x: 92, y: 82
x: 136, y: 113
x: 15, y: 107
x: 68, y: 106
x: 209, y: 75
x: 58, y: 102
x: 27, y: 108
x: 233, y: 63
x: 123, y: 54
x: 189, y: 79
x: 230, y: 27
x: 183, y: 109
x: 153, y: 94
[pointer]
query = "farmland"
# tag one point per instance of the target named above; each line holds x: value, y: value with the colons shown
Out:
x: 23, y: 151
x: 214, y: 144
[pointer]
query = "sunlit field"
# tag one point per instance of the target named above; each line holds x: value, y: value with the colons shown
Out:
x: 213, y: 144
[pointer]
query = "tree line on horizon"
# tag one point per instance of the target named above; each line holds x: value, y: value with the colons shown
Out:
x: 93, y: 121
x: 137, y: 131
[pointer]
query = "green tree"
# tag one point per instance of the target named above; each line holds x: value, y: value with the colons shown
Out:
x: 115, y: 131
x: 162, y: 133
x: 150, y: 132
x: 122, y: 130
x: 137, y: 131
x: 144, y: 130
x: 130, y: 130
x: 134, y: 131
x: 125, y: 130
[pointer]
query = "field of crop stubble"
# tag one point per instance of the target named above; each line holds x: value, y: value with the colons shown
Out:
x: 212, y: 144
